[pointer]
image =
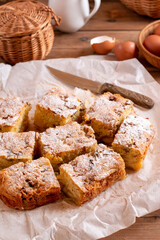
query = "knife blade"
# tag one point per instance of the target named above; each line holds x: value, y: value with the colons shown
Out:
x: 100, y: 88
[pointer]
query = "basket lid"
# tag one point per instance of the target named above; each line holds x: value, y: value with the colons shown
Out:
x: 23, y: 17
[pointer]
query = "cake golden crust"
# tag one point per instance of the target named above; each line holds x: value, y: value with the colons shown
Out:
x: 56, y: 108
x: 88, y: 175
x: 64, y: 143
x: 29, y: 185
x: 106, y: 115
x: 13, y: 114
x: 15, y: 147
x: 133, y: 139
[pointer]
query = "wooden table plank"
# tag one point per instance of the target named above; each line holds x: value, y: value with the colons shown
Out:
x: 145, y: 228
x: 78, y: 44
x: 156, y: 75
x: 115, y: 16
x: 81, y: 39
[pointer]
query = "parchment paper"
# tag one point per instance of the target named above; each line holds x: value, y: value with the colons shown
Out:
x: 115, y: 208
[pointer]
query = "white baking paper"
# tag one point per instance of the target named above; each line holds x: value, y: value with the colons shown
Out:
x: 117, y: 207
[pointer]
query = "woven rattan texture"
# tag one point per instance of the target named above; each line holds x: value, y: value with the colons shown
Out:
x: 22, y: 17
x: 152, y: 59
x: 26, y: 32
x: 149, y: 8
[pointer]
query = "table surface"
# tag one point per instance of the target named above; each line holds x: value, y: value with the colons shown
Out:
x: 112, y: 19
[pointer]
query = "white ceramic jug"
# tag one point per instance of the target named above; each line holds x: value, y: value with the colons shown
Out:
x: 74, y: 13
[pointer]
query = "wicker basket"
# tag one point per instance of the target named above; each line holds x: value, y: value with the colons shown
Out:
x: 150, y: 8
x: 151, y: 58
x: 26, y: 32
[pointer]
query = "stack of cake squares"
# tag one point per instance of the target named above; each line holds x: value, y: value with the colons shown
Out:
x: 73, y: 151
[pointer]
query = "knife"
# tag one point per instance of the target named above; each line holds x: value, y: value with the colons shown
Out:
x: 100, y: 88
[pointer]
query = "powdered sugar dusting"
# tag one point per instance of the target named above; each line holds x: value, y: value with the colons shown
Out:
x: 27, y: 180
x: 96, y: 165
x: 60, y: 103
x: 71, y: 136
x: 134, y: 131
x: 108, y: 107
x: 17, y: 145
x: 86, y: 97
x: 10, y: 109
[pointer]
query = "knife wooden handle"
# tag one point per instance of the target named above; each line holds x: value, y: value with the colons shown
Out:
x: 135, y: 97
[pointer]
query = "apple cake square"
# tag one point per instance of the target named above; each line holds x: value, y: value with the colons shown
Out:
x: 106, y: 115
x: 133, y: 139
x: 13, y: 114
x: 88, y: 175
x: 64, y: 143
x: 29, y: 185
x: 16, y: 147
x: 55, y: 108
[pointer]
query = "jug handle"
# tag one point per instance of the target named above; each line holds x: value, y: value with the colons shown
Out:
x: 97, y: 4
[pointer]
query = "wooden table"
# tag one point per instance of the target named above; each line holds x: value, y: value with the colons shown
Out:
x: 112, y: 19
